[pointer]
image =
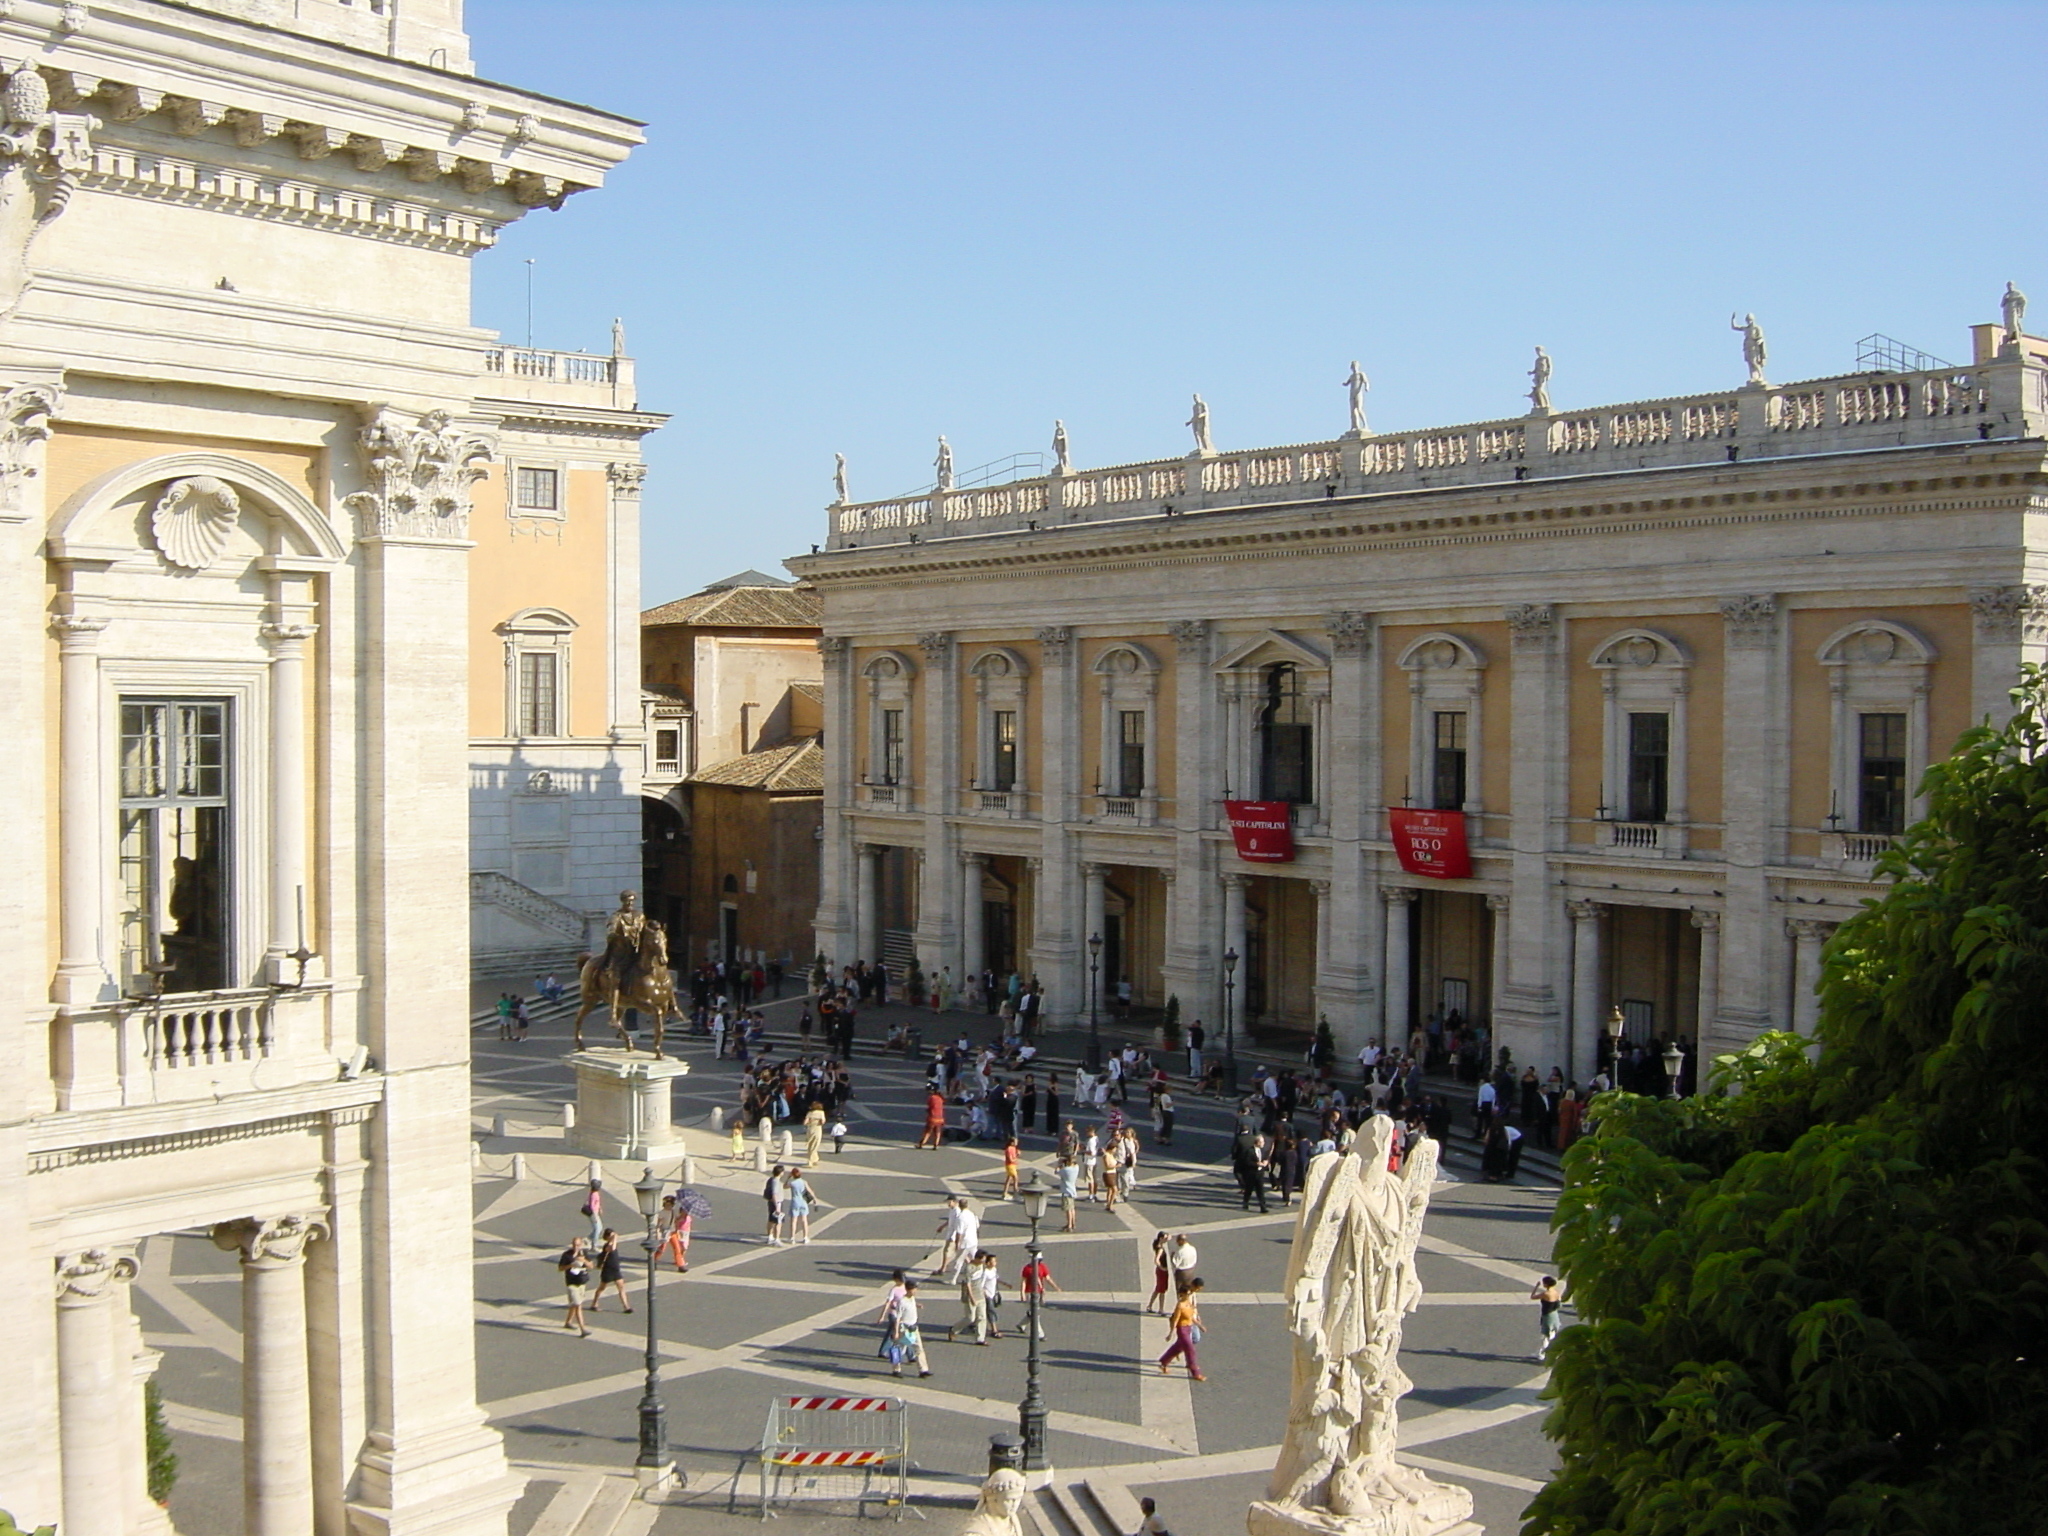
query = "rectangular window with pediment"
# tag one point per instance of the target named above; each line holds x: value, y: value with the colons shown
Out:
x: 892, y: 747
x: 1130, y: 752
x: 1003, y: 757
x: 1649, y: 765
x: 1881, y: 774
x: 1448, y: 757
x: 539, y: 694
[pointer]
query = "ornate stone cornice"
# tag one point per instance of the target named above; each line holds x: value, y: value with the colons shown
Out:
x: 1752, y: 620
x: 25, y: 412
x: 419, y: 477
x: 1056, y: 643
x: 1190, y: 637
x: 87, y: 1277
x: 270, y: 1244
x: 2009, y: 613
x: 289, y: 638
x: 1350, y: 633
x: 1533, y: 627
x: 78, y: 631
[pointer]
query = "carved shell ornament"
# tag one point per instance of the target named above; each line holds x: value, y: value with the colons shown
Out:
x: 192, y: 520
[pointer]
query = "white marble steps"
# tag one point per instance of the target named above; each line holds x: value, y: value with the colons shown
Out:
x: 589, y: 1504
x: 1065, y: 1508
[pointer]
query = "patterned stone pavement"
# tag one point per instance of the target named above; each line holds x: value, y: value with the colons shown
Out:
x: 749, y: 1322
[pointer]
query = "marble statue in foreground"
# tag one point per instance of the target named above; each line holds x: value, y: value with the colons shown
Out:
x: 1350, y: 1280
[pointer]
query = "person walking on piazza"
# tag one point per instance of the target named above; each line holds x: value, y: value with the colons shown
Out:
x: 973, y: 1304
x: 934, y: 1121
x: 991, y: 1281
x: 1162, y: 1273
x: 673, y: 1230
x: 801, y: 1197
x: 1181, y: 1258
x: 902, y: 1339
x: 1162, y: 1118
x: 814, y: 1133
x: 1009, y: 1168
x: 1035, y: 1280
x: 1091, y: 1162
x: 1248, y: 1166
x: 970, y: 1238
x: 1184, y: 1332
x: 1052, y: 1103
x: 575, y: 1267
x: 1197, y: 1038
x: 611, y: 1273
x: 772, y: 1197
x: 1549, y: 1298
x: 1070, y: 1183
x: 593, y: 1210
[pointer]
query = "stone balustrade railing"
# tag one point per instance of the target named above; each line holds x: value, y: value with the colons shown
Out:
x: 2008, y: 398
x: 532, y: 373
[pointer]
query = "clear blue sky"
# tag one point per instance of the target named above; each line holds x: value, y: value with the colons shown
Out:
x: 857, y: 224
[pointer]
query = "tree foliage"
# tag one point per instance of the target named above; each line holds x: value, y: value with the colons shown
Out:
x: 1815, y: 1298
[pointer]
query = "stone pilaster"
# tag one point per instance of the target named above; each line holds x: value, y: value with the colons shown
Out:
x: 1055, y: 953
x: 2010, y: 627
x: 1530, y: 1016
x: 838, y: 936
x: 1753, y: 737
x: 938, y: 895
x: 1397, y: 1014
x: 1192, y: 954
x: 1587, y: 1017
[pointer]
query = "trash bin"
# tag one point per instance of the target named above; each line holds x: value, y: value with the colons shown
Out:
x: 1005, y: 1451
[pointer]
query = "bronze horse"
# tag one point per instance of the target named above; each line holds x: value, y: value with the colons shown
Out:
x: 648, y: 986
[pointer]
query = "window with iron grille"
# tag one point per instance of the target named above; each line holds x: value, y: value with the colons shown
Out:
x: 539, y: 689
x: 1286, y: 738
x: 892, y: 747
x: 537, y: 490
x: 1130, y: 752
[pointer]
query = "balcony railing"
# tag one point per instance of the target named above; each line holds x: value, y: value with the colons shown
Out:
x: 2008, y: 397
x: 582, y: 377
x: 204, y: 1045
x: 886, y: 797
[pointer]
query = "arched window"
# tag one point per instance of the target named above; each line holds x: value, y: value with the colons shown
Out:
x: 1286, y: 737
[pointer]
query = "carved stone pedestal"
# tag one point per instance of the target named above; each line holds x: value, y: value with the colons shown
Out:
x: 623, y: 1105
x: 1438, y: 1509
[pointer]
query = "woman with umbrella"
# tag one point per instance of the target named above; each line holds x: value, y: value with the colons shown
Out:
x: 678, y: 1212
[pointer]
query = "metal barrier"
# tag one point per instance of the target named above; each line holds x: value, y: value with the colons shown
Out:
x: 836, y: 1448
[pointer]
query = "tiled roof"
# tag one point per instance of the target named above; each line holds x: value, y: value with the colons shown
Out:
x: 743, y: 608
x: 666, y: 691
x: 809, y: 690
x: 797, y: 768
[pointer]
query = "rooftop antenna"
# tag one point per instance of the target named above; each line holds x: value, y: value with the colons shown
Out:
x: 529, y: 303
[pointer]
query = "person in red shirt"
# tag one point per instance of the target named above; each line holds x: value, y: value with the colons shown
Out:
x: 1036, y: 1276
x: 934, y: 1121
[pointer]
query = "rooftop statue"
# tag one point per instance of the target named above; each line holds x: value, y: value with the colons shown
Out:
x: 1357, y: 384
x: 1198, y: 423
x: 1059, y: 447
x: 1754, y: 352
x: 1539, y: 382
x: 944, y: 465
x: 839, y: 476
x: 2014, y: 307
x: 1350, y: 1280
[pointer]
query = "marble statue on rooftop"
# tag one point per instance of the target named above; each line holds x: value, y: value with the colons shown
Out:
x: 1357, y: 384
x: 944, y: 465
x: 618, y: 337
x: 1351, y: 1278
x: 2014, y: 307
x: 1539, y: 382
x: 1059, y: 447
x: 1198, y: 423
x: 1754, y: 352
x: 997, y: 1511
x: 839, y: 477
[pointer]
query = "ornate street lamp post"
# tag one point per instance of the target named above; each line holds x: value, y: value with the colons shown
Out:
x: 1615, y: 1026
x: 1674, y: 1063
x: 1094, y: 1029
x: 654, y: 1468
x: 1031, y: 1412
x: 1229, y: 1022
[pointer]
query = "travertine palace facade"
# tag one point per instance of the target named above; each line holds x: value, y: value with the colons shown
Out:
x: 264, y: 500
x: 1671, y: 669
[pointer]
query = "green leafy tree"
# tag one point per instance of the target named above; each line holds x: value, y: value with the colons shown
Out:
x: 1816, y: 1297
x: 9, y: 1528
x: 163, y: 1461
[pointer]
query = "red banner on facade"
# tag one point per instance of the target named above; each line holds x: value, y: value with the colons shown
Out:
x: 1264, y: 830
x: 1431, y: 843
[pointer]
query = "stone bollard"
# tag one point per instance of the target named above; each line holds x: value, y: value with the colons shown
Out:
x: 765, y: 1128
x: 716, y: 1120
x: 687, y: 1175
x: 789, y: 1146
x: 518, y: 1167
x: 498, y: 1126
x: 568, y: 1117
x: 761, y: 1157
x: 1005, y: 1451
x: 476, y: 1153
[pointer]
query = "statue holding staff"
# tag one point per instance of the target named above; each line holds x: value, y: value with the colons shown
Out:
x: 839, y: 477
x: 1754, y: 352
x: 943, y: 464
x: 1198, y: 423
x: 2014, y: 308
x: 1539, y: 383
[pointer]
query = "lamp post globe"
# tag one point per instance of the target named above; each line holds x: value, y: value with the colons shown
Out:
x: 654, y: 1467
x: 1031, y: 1412
x: 1094, y: 1029
x: 1674, y: 1064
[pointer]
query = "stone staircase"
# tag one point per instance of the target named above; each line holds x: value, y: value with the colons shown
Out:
x: 593, y: 1504
x: 1081, y: 1507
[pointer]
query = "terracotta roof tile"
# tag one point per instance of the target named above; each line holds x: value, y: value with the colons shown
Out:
x: 797, y: 768
x: 743, y: 608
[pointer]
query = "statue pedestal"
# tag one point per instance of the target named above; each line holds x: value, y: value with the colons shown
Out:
x: 1391, y: 1517
x: 623, y: 1105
